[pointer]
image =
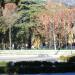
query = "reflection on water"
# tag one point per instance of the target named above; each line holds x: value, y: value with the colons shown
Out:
x: 52, y: 74
x: 44, y: 74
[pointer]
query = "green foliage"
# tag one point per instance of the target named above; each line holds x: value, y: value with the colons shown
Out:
x: 27, y: 11
x: 39, y: 1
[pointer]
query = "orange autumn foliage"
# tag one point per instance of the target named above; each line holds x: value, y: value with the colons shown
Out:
x: 57, y: 14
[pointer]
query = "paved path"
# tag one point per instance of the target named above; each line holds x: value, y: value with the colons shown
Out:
x: 33, y: 55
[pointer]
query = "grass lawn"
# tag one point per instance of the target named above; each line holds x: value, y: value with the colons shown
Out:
x: 3, y: 64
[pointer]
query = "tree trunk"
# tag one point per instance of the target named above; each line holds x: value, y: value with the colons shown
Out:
x: 10, y: 37
x: 29, y: 40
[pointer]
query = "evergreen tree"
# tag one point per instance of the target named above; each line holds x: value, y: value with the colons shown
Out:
x: 27, y: 10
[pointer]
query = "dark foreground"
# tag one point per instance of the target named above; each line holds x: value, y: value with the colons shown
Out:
x: 46, y: 74
x: 39, y: 67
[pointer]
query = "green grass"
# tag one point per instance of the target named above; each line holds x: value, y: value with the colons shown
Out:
x: 3, y: 64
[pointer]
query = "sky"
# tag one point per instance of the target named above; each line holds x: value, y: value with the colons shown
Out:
x: 69, y: 2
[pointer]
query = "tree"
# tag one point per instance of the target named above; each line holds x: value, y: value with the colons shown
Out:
x: 10, y: 16
x: 28, y: 17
